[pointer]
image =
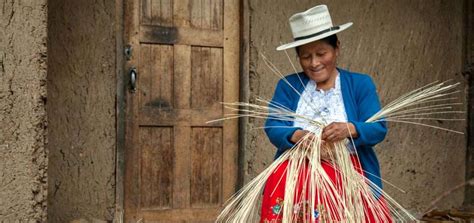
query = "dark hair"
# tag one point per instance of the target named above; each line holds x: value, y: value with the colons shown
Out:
x: 331, y: 40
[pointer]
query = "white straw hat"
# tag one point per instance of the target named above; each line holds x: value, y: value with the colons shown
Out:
x: 311, y: 25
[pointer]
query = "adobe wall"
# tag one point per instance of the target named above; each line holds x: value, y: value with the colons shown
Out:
x: 23, y: 157
x: 402, y: 45
x: 81, y: 110
x: 469, y: 70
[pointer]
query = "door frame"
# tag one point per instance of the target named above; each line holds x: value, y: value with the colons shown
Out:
x: 122, y: 81
x: 120, y: 105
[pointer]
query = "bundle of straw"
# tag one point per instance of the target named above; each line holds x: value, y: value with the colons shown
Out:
x: 347, y: 205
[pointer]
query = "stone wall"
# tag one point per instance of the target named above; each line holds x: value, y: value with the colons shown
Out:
x: 81, y: 110
x: 23, y: 157
x: 402, y: 45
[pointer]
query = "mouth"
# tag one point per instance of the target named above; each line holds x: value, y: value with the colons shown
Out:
x: 316, y: 70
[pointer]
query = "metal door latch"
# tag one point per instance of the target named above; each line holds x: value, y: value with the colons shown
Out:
x: 133, y: 79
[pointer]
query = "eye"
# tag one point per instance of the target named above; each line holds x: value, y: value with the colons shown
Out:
x: 320, y: 54
x: 305, y: 56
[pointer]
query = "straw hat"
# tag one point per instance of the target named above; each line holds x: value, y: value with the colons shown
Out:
x: 311, y: 25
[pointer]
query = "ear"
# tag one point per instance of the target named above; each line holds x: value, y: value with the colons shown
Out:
x: 338, y: 47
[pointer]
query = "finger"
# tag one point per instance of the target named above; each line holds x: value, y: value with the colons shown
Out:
x: 339, y: 132
x: 330, y: 135
x: 326, y: 132
x: 342, y: 134
x: 333, y: 138
x: 328, y: 127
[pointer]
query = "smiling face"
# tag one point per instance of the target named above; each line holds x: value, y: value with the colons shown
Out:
x: 318, y: 60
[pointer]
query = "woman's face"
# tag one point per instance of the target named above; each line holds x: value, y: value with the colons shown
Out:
x: 318, y: 60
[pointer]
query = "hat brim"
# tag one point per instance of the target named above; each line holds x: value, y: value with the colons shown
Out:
x: 314, y: 38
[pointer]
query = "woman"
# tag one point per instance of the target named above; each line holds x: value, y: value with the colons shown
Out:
x: 342, y: 99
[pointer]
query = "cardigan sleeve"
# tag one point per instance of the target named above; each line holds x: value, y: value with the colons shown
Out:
x: 368, y: 104
x: 280, y: 131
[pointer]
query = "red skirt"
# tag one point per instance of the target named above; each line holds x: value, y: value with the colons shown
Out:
x: 274, y: 193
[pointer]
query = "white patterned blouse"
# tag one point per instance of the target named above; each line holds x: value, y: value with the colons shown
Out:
x: 322, y: 106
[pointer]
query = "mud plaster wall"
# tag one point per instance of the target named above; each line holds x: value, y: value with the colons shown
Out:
x: 81, y: 110
x: 469, y: 70
x: 23, y: 157
x: 402, y: 45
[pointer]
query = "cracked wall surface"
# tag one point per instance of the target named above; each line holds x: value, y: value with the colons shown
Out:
x: 402, y: 45
x: 81, y: 110
x: 23, y: 157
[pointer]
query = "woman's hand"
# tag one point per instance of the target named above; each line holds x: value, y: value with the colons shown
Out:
x: 303, y: 137
x: 338, y: 131
x: 299, y: 134
x: 306, y: 143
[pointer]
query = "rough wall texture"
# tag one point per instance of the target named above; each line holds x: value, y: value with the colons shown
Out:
x: 81, y: 110
x: 402, y: 45
x: 23, y: 157
x: 469, y: 70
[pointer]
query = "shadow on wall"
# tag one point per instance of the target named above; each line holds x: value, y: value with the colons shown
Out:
x: 81, y: 86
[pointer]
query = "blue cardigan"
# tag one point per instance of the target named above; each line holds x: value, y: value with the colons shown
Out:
x: 360, y: 101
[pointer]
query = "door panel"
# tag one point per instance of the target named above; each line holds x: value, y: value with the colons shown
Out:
x: 206, y: 83
x: 187, y: 56
x: 206, y: 167
x: 156, y: 76
x: 157, y: 167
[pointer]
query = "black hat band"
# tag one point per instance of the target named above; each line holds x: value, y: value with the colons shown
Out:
x: 317, y: 34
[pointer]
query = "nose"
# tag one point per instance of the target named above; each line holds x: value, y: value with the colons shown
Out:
x: 315, y: 61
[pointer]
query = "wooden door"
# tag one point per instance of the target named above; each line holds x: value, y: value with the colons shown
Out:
x: 186, y: 52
